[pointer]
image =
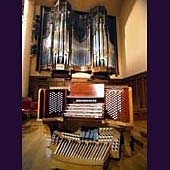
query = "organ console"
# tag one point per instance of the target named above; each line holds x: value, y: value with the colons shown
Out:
x: 75, y: 41
x: 88, y: 133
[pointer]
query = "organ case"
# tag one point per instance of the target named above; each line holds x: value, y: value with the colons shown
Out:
x: 75, y: 41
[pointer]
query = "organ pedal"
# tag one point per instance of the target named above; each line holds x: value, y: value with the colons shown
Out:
x: 86, y: 150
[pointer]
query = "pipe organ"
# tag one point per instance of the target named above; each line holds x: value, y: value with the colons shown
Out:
x: 74, y: 41
x: 88, y: 133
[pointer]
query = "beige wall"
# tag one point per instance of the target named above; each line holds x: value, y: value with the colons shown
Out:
x: 133, y: 37
x: 112, y: 6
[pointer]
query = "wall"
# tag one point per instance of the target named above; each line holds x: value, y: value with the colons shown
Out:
x: 138, y: 83
x: 112, y: 6
x: 133, y: 18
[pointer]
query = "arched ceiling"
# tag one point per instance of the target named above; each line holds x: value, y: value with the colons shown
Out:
x: 113, y: 6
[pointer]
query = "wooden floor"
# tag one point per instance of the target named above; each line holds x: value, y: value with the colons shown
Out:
x: 36, y: 154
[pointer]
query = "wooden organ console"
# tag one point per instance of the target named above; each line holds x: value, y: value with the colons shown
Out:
x: 84, y: 121
x: 75, y: 41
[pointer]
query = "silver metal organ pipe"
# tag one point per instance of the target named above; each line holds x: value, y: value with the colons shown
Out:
x: 72, y: 49
x: 55, y: 45
x: 61, y: 39
x: 97, y: 45
x: 58, y: 37
x: 40, y: 62
x: 65, y: 38
x: 86, y: 47
x: 68, y: 41
x: 103, y: 34
x: 49, y: 40
x: 94, y: 49
x: 78, y: 54
x: 89, y: 45
x: 105, y: 42
x: 98, y: 20
x: 94, y: 44
x: 101, y: 42
x: 64, y: 31
x: 85, y: 50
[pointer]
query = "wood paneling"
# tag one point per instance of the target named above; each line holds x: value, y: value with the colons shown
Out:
x: 35, y: 84
x: 44, y: 82
x: 139, y: 91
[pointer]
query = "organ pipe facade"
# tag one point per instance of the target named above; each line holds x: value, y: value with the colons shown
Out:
x: 74, y: 41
